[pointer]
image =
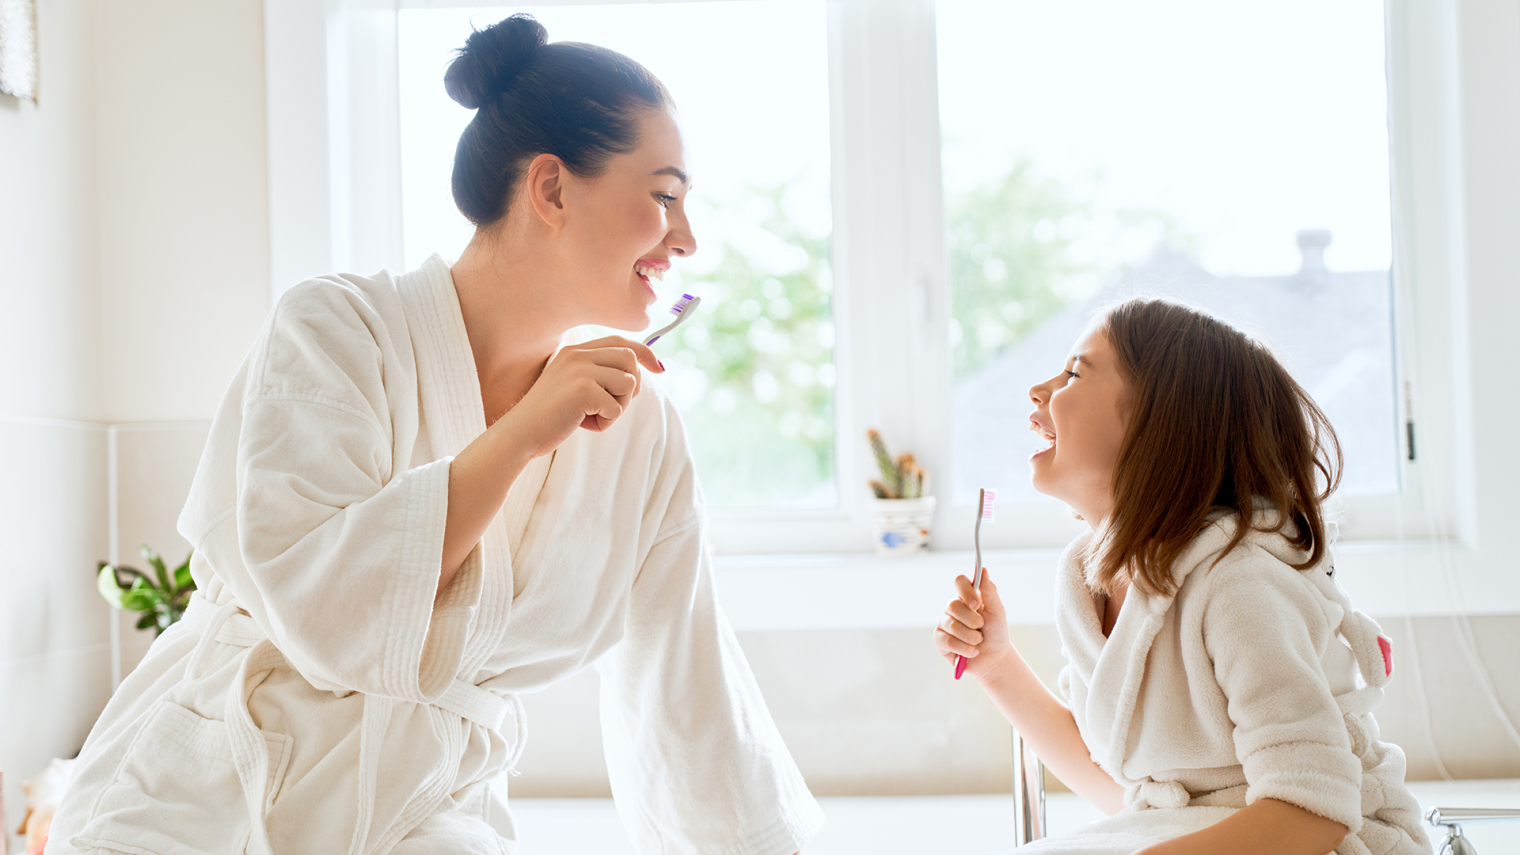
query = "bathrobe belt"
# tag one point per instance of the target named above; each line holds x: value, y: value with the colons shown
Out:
x: 228, y: 624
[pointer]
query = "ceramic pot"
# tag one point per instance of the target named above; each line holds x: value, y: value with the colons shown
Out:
x: 901, y: 526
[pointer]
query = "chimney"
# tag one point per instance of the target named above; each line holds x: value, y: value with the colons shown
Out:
x: 1311, y: 247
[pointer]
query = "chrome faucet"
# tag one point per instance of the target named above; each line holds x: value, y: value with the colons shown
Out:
x: 1452, y: 819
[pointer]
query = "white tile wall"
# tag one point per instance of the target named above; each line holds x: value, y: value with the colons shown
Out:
x: 54, y: 647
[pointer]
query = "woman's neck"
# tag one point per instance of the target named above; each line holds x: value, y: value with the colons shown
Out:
x: 514, y: 315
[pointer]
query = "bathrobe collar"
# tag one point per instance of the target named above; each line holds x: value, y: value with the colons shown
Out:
x: 452, y: 408
x: 1119, y: 660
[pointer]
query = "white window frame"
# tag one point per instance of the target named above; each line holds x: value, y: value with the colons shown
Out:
x: 333, y: 108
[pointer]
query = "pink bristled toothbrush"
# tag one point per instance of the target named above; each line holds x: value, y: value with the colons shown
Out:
x: 983, y: 512
x: 682, y: 310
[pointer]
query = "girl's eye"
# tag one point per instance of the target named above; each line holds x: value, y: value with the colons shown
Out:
x: 664, y: 199
x: 1072, y: 374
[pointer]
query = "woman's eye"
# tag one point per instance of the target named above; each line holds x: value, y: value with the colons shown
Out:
x: 664, y: 199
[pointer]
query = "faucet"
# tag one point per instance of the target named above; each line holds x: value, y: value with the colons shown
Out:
x: 1452, y: 818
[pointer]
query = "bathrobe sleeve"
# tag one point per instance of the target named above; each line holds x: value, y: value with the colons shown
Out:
x: 334, y: 553
x: 1267, y: 634
x: 696, y: 763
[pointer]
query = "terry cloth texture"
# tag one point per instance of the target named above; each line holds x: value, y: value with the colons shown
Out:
x: 318, y: 700
x: 1255, y: 680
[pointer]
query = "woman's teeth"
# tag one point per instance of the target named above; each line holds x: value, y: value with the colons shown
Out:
x: 648, y: 272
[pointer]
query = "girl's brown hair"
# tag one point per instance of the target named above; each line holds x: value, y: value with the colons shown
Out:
x: 1216, y: 422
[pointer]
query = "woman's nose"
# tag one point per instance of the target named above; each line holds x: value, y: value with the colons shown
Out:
x: 679, y: 239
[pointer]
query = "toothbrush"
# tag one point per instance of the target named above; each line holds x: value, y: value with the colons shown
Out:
x: 682, y: 310
x: 983, y: 512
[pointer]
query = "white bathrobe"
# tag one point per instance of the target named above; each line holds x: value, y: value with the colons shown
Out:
x: 1255, y: 680
x: 316, y: 698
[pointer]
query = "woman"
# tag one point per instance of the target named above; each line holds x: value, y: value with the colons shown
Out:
x: 418, y: 501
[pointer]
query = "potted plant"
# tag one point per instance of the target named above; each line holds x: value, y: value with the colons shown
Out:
x: 902, y: 512
x: 161, y: 598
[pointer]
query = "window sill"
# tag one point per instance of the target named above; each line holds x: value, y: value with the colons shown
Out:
x: 768, y: 593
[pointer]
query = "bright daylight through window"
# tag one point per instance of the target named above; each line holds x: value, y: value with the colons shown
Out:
x: 753, y: 370
x: 1232, y: 155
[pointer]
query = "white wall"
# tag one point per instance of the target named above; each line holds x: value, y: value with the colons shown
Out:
x: 54, y: 664
x: 183, y: 204
x: 134, y: 242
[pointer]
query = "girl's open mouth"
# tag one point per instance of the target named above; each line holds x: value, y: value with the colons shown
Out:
x: 1045, y: 440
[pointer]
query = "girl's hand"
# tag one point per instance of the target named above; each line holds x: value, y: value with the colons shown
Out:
x: 586, y: 385
x: 976, y: 627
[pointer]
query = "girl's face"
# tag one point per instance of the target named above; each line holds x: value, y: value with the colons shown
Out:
x: 1082, y: 413
x: 630, y: 222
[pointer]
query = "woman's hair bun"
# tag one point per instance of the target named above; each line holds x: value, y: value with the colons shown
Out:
x: 491, y: 58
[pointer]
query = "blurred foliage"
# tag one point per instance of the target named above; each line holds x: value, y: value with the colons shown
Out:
x: 763, y: 342
x: 161, y: 597
x: 758, y: 358
x: 1011, y: 245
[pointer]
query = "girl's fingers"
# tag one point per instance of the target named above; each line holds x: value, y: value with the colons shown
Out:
x: 958, y: 629
x: 951, y: 646
x: 992, y: 604
x: 967, y: 593
x: 964, y: 613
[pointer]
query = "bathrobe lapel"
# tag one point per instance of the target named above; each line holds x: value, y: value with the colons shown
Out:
x: 1107, y: 673
x: 454, y: 415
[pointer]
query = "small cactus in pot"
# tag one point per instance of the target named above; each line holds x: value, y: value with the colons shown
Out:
x: 902, y: 511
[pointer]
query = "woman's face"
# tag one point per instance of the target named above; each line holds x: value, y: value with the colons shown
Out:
x: 629, y: 223
x: 1082, y: 413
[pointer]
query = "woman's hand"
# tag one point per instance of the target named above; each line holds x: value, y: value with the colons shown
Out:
x: 585, y: 385
x: 975, y: 626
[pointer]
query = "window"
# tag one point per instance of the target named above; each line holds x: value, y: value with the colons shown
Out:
x: 884, y: 140
x: 1098, y: 149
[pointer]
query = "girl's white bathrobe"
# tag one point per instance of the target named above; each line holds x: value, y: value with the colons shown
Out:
x: 316, y: 699
x: 1255, y: 680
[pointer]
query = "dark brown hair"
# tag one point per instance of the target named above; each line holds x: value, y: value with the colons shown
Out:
x: 576, y: 101
x: 1216, y: 422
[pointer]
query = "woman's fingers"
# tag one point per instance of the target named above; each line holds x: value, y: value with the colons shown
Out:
x: 636, y: 352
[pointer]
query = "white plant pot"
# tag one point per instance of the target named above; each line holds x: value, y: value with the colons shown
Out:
x: 901, y: 526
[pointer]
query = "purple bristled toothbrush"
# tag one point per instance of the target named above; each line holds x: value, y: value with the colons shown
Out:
x: 682, y: 310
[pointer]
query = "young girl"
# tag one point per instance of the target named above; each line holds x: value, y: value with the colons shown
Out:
x: 1219, y: 686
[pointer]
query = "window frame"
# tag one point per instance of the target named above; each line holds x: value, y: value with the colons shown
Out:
x: 891, y: 298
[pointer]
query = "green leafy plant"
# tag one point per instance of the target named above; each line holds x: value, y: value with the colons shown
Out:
x: 161, y: 598
x: 901, y: 477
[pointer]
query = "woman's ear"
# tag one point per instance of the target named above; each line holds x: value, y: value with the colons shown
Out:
x: 545, y: 187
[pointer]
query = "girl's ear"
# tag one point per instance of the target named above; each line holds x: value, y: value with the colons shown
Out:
x: 545, y: 187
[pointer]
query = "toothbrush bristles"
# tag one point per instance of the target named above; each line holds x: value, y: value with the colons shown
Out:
x: 989, y: 497
x: 681, y: 304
